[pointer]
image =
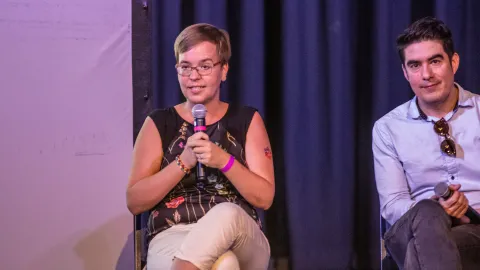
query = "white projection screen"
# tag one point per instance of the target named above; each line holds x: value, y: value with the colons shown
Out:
x: 66, y: 134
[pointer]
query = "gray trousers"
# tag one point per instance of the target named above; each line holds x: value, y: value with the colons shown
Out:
x: 424, y: 238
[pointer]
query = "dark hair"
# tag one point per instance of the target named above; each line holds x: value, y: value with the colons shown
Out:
x: 197, y: 33
x: 427, y: 28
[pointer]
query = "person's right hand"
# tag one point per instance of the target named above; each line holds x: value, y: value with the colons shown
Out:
x: 457, y: 205
x: 188, y: 157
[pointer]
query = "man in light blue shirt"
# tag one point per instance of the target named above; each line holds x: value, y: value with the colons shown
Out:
x: 433, y: 138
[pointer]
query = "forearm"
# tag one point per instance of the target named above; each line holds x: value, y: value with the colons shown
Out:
x: 148, y: 192
x: 254, y: 188
x: 396, y: 208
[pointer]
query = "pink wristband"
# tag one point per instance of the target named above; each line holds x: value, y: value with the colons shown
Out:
x: 229, y: 164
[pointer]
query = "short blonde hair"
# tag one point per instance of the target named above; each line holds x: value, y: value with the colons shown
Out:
x: 197, y: 33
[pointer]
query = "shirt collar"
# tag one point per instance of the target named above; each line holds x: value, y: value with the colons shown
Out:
x: 464, y: 100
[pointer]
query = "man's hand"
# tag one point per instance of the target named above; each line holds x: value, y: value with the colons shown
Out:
x: 457, y: 205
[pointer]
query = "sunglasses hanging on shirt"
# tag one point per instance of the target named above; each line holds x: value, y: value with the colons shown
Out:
x: 448, y: 145
x: 441, y: 128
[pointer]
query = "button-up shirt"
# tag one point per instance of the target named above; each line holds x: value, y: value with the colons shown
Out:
x: 409, y: 161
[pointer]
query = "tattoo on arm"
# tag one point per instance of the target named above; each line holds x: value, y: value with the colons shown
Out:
x: 268, y: 152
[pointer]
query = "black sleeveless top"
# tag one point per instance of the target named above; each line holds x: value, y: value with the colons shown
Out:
x: 190, y: 200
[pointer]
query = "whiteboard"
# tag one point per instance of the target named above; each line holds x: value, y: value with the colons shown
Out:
x: 66, y: 134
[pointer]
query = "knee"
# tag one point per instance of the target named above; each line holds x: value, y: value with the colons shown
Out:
x: 227, y: 212
x: 430, y: 210
x: 227, y: 261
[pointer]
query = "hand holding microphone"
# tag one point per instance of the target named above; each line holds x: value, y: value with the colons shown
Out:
x: 455, y: 203
x: 207, y: 153
x: 189, y: 157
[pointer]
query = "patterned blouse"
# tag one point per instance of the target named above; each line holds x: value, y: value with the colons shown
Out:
x: 190, y: 200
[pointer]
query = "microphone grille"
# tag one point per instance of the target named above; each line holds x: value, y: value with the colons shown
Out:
x: 441, y: 189
x: 199, y: 111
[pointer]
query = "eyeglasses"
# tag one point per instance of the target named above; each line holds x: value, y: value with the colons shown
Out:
x: 203, y: 69
x: 448, y: 145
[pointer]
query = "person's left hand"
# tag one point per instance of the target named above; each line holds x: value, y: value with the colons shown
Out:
x: 207, y: 152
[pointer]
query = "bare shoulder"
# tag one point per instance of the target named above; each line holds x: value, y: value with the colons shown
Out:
x: 148, y: 134
x: 257, y: 129
x: 258, y: 149
x: 147, y: 152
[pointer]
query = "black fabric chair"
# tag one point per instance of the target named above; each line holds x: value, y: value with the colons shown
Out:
x: 140, y: 222
x: 387, y: 262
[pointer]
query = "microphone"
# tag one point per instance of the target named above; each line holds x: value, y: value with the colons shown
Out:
x: 442, y: 190
x: 199, y: 111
